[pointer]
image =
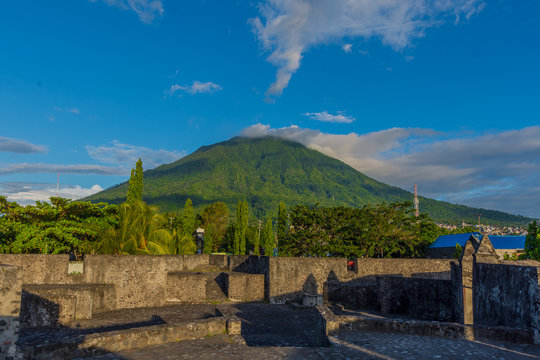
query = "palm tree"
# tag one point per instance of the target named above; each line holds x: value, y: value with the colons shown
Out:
x: 141, y: 230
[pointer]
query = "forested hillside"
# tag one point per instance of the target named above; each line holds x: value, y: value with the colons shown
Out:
x: 268, y: 170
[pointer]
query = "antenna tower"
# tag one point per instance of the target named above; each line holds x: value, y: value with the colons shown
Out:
x: 57, y: 183
x: 416, y: 202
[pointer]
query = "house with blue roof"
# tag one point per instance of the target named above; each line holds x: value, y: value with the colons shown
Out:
x: 444, y: 246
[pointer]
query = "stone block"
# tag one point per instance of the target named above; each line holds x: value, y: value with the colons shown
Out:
x: 62, y: 304
x: 186, y: 287
x: 234, y: 326
x: 245, y: 287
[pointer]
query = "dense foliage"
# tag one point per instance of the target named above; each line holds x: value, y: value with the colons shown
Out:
x: 62, y: 226
x: 384, y: 230
x: 265, y: 171
x: 532, y: 242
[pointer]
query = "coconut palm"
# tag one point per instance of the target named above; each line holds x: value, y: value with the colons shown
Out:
x: 141, y: 230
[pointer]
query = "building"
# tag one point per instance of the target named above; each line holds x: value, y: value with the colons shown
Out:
x: 445, y: 245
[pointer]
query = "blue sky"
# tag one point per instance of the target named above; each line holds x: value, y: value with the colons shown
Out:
x: 444, y: 94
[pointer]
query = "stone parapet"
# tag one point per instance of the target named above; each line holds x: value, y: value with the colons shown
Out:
x: 10, y: 304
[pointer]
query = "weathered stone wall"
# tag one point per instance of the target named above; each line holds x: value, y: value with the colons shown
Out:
x: 506, y: 295
x: 423, y: 268
x: 427, y: 299
x: 10, y: 303
x: 457, y: 292
x: 245, y: 287
x: 290, y: 277
x: 140, y: 280
x: 40, y: 268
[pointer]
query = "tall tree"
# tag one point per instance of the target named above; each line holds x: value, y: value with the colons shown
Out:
x: 242, y: 218
x: 188, y: 219
x: 267, y: 238
x: 237, y: 229
x: 135, y: 188
x: 214, y: 219
x: 245, y: 219
x: 532, y: 241
x: 257, y: 242
x: 282, y: 227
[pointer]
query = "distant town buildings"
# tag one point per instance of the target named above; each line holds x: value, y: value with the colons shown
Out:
x: 490, y: 229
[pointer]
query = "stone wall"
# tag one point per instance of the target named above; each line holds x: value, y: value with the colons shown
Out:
x: 427, y: 299
x: 140, y: 280
x: 10, y: 303
x: 423, y: 268
x: 289, y: 278
x: 40, y: 268
x: 506, y: 295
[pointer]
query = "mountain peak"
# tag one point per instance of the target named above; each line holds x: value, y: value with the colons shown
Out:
x: 267, y: 170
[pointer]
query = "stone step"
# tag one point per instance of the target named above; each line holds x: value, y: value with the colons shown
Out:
x: 112, y: 341
x: 62, y: 304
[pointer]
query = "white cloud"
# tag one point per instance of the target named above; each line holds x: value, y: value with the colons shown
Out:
x: 196, y: 87
x: 147, y: 10
x: 499, y: 170
x: 289, y: 28
x: 20, y: 146
x: 125, y: 154
x: 326, y: 117
x: 26, y: 193
x: 70, y: 110
x: 347, y: 48
x: 79, y: 169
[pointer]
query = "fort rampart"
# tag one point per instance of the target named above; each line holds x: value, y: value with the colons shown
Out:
x: 477, y: 291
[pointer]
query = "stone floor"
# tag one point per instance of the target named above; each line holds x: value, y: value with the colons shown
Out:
x: 349, y: 345
x: 278, y: 332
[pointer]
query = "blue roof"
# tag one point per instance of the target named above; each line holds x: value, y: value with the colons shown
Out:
x: 507, y: 242
x: 452, y: 240
x: 498, y: 241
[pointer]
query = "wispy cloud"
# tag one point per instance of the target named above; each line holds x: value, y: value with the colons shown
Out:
x: 196, y: 87
x: 499, y: 170
x: 347, y: 48
x: 27, y: 193
x: 147, y: 10
x: 125, y: 154
x: 70, y: 110
x: 289, y: 28
x: 326, y: 117
x: 78, y: 169
x: 20, y: 146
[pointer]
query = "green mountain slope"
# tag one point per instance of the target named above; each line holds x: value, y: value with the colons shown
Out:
x: 268, y: 170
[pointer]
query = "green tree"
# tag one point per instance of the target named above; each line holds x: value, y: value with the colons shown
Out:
x: 237, y: 229
x: 384, y: 230
x: 188, y: 221
x: 141, y: 230
x: 63, y: 226
x: 242, y: 218
x: 135, y: 188
x: 267, y: 238
x: 532, y: 241
x: 458, y: 251
x: 282, y: 228
x: 214, y: 220
x: 257, y: 242
x: 244, y: 223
